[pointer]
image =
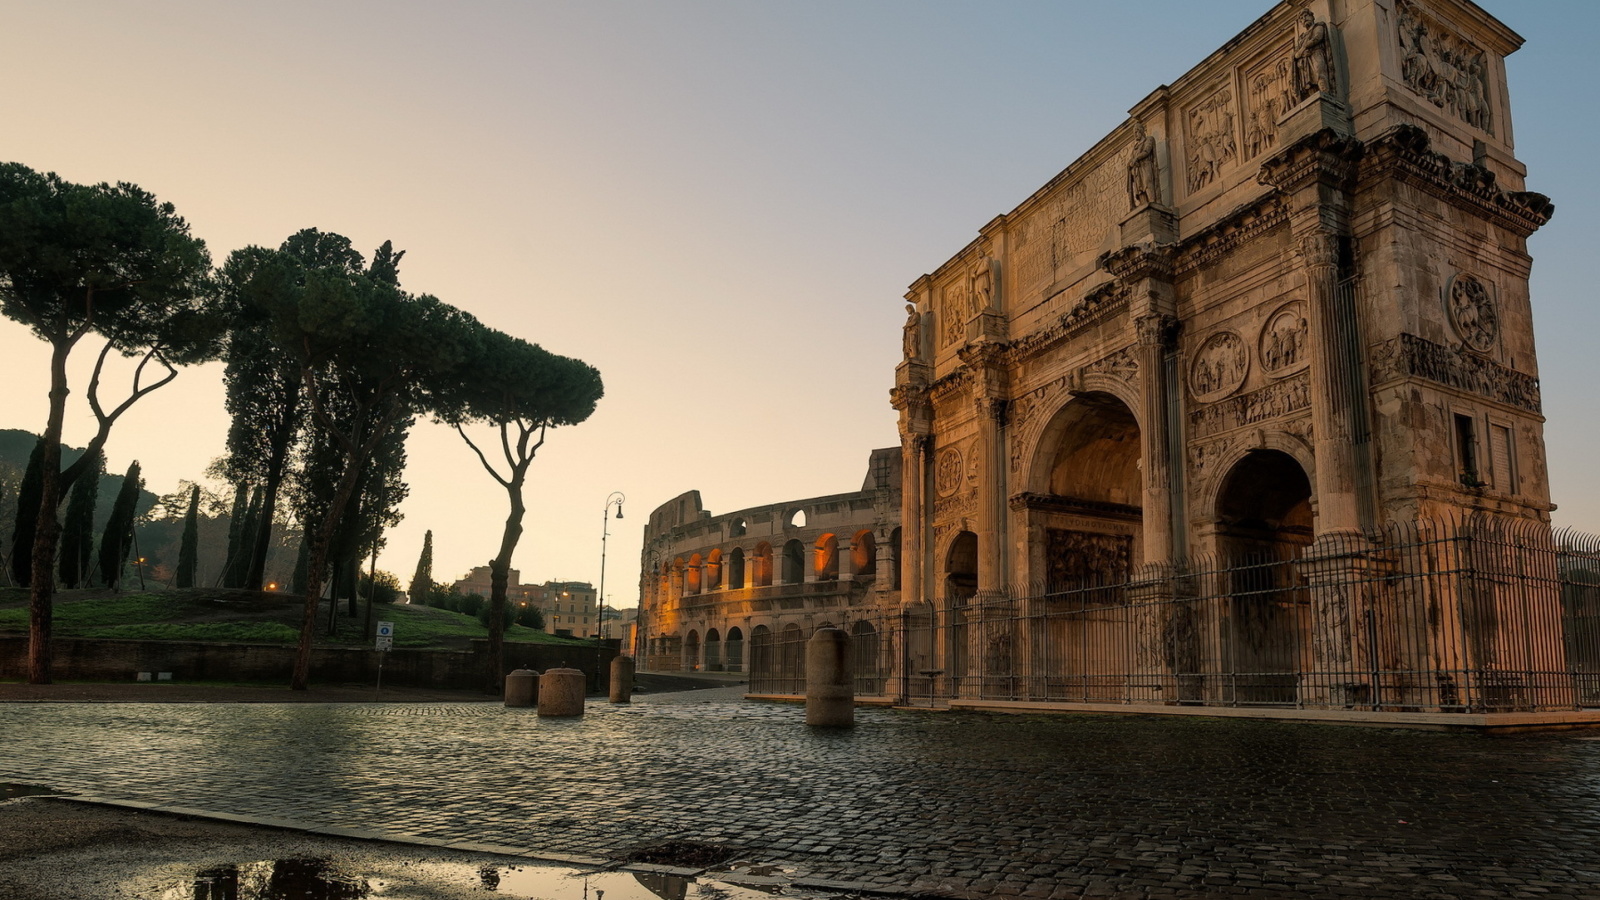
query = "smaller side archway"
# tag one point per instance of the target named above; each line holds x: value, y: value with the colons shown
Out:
x: 735, y: 569
x: 864, y: 556
x: 794, y: 562
x: 825, y: 558
x: 733, y: 650
x: 713, y: 650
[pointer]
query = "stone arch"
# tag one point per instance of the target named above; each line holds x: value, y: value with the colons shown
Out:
x: 761, y: 656
x: 675, y: 582
x: 794, y: 562
x: 733, y: 649
x: 735, y: 568
x: 692, y: 581
x: 713, y: 571
x: 961, y: 567
x: 761, y: 564
x: 825, y: 557
x: 864, y: 556
x: 713, y: 650
x: 1211, y: 486
x: 691, y: 651
x: 1263, y: 523
x: 1083, y: 506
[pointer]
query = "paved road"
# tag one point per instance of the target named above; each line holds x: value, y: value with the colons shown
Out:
x: 937, y: 802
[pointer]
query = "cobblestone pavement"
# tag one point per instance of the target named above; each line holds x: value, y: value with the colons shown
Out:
x: 943, y: 803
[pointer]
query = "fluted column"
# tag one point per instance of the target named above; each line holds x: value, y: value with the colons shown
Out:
x: 1332, y: 373
x: 991, y: 495
x: 913, y: 453
x: 1155, y: 334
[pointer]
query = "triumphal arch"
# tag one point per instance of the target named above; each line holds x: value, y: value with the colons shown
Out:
x: 1275, y: 327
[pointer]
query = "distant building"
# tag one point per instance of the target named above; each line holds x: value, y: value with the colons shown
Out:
x: 568, y: 606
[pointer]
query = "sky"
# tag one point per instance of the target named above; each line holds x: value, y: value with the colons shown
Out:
x: 720, y: 205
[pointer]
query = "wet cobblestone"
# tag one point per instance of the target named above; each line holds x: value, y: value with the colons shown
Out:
x: 1039, y: 807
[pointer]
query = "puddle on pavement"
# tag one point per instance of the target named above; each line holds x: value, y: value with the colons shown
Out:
x: 322, y: 879
x: 11, y: 791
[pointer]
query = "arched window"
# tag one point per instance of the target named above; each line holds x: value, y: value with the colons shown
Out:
x: 763, y: 565
x: 734, y: 650
x: 736, y: 569
x: 691, y: 651
x: 692, y: 579
x: 794, y: 562
x: 825, y: 560
x: 713, y: 651
x: 961, y: 568
x: 864, y: 556
x: 713, y: 576
x: 797, y: 519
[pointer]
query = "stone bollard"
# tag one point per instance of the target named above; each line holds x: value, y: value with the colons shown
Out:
x: 622, y: 679
x: 830, y: 687
x: 561, y: 692
x: 522, y: 688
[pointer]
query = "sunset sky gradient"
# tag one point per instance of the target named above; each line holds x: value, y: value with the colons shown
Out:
x: 718, y: 204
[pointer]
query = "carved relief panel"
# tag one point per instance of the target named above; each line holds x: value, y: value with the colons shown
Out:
x: 1472, y: 311
x: 1269, y: 93
x: 1069, y: 227
x: 1284, y: 340
x: 1209, y: 139
x: 1219, y: 367
x: 954, y: 310
x: 1446, y: 70
x: 1074, y: 557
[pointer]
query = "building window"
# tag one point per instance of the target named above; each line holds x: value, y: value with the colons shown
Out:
x: 1467, y: 451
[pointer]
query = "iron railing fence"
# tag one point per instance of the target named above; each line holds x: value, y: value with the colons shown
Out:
x: 1482, y: 615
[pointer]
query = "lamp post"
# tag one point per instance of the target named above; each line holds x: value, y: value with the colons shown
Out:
x: 616, y: 499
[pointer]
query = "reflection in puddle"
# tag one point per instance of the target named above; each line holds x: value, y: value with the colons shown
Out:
x: 11, y: 791
x: 279, y: 879
x: 566, y: 884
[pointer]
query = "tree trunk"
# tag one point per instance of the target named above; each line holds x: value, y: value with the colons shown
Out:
x: 499, y: 576
x: 42, y: 586
x: 274, y: 480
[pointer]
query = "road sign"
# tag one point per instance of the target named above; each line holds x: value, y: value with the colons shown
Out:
x: 385, y: 635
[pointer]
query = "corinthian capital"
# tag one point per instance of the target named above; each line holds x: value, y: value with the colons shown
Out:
x: 1320, y: 249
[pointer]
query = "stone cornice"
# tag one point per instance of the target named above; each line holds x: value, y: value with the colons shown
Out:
x: 1324, y: 156
x: 1097, y: 305
x: 1405, y: 154
x: 1241, y: 226
x: 1137, y: 261
x: 950, y: 385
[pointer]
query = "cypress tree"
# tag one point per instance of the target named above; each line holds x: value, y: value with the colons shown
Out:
x: 239, y: 567
x: 29, y: 495
x: 77, y: 534
x: 233, y: 566
x: 422, y: 581
x: 189, y: 547
x: 118, y: 537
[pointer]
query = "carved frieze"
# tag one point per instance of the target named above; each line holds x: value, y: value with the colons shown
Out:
x: 1284, y: 397
x: 1409, y: 355
x: 964, y: 503
x: 1472, y: 312
x: 1219, y: 366
x: 1284, y: 346
x: 1269, y: 88
x: 1209, y: 136
x: 1123, y: 365
x: 1075, y: 557
x: 1447, y: 70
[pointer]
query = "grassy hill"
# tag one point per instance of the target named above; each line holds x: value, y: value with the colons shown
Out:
x: 204, y: 614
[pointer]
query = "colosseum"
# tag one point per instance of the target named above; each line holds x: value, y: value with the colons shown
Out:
x: 739, y: 591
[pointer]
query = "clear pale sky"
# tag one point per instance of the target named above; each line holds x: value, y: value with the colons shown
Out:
x: 718, y: 204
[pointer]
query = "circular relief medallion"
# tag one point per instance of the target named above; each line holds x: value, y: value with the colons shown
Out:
x: 1219, y: 366
x: 947, y: 472
x: 1283, y: 339
x: 1472, y: 313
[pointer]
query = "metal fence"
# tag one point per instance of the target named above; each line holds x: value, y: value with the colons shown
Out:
x: 1475, y: 616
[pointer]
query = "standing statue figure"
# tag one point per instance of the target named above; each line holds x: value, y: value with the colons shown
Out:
x: 1143, y: 184
x: 913, y: 332
x: 1313, y: 58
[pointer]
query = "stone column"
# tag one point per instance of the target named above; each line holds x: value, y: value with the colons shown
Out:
x: 913, y: 449
x: 1155, y: 334
x: 1334, y: 383
x: 991, y: 495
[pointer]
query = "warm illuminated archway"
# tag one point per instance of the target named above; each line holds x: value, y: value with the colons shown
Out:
x: 825, y: 558
x: 864, y: 556
x: 1086, y: 492
x: 713, y: 571
x: 762, y: 564
x: 691, y: 579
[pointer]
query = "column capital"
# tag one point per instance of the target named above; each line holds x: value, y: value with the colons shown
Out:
x: 1319, y: 249
x: 1157, y: 330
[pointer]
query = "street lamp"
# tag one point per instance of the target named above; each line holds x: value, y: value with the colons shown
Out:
x: 616, y: 499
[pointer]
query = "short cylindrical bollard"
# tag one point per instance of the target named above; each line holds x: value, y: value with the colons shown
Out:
x: 522, y: 687
x: 561, y: 692
x: 830, y: 687
x: 622, y: 679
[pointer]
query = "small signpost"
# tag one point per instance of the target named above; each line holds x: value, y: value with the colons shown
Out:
x: 385, y: 643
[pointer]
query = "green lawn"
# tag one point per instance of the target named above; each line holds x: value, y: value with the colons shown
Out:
x: 201, y: 615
